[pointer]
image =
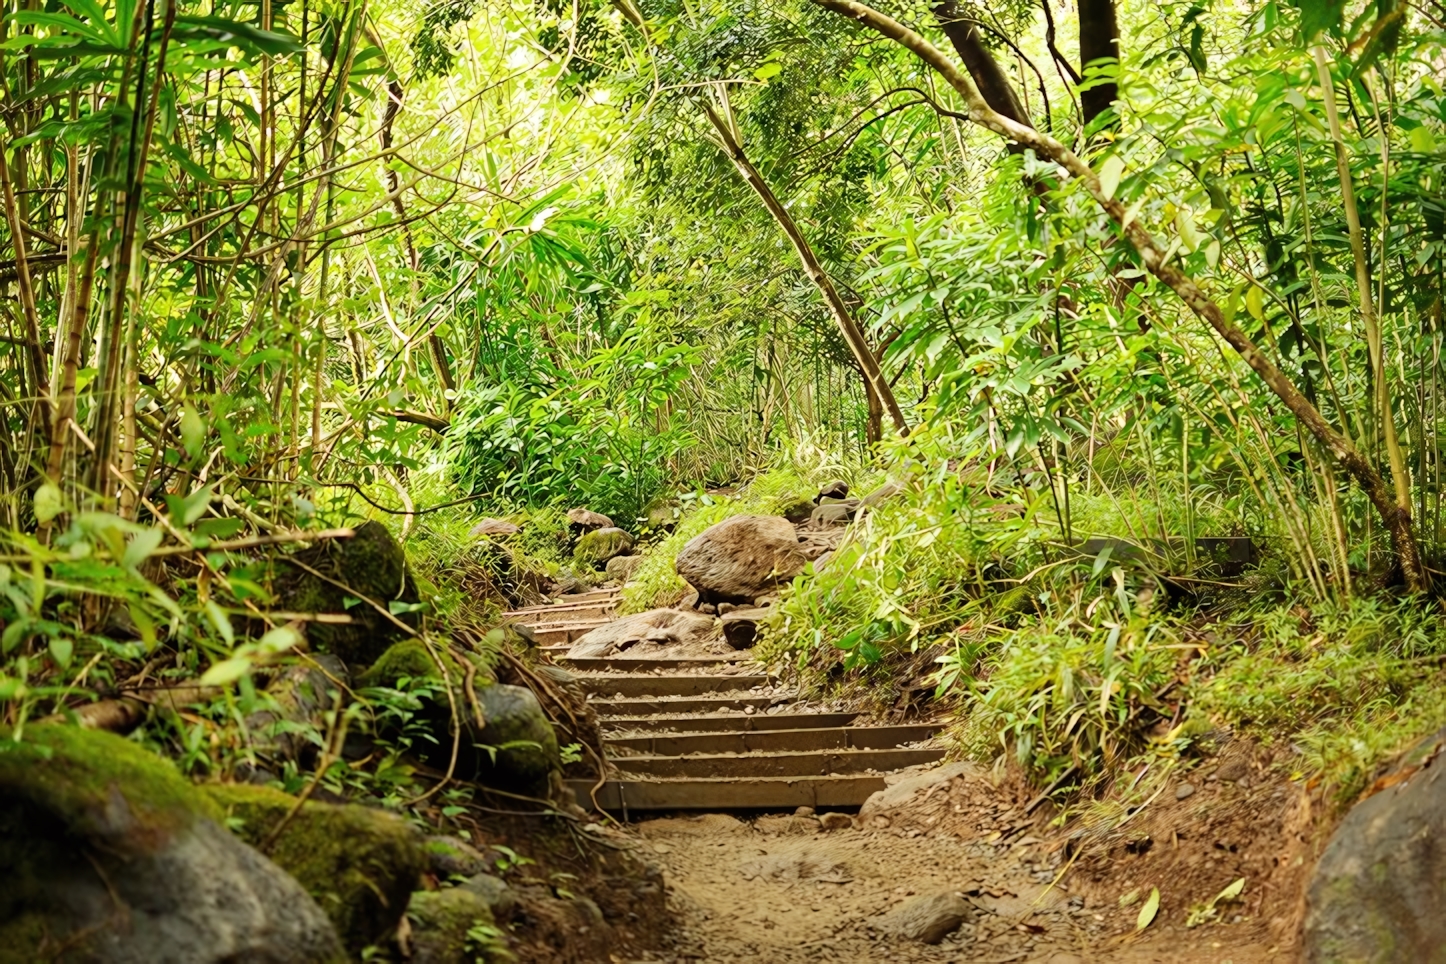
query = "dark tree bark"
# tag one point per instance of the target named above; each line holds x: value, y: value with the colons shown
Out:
x: 991, y: 80
x: 1099, y: 39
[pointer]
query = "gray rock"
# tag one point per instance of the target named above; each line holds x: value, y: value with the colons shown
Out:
x: 588, y: 519
x: 523, y: 745
x: 110, y: 854
x: 449, y: 857
x: 662, y: 626
x: 740, y: 627
x: 1184, y: 791
x: 493, y: 527
x: 928, y: 919
x: 499, y: 897
x: 1379, y: 891
x: 621, y: 569
x: 740, y: 558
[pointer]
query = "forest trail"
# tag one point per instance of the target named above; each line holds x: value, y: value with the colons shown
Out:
x: 714, y: 730
x: 706, y: 744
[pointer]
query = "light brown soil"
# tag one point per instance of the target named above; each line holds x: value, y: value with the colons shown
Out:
x: 781, y: 890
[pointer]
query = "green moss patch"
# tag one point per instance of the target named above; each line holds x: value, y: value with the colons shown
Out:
x: 359, y: 864
x: 78, y: 775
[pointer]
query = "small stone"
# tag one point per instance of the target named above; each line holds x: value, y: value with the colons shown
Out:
x: 836, y: 821
x: 803, y: 812
x: 750, y: 710
x: 1184, y: 791
x: 928, y: 919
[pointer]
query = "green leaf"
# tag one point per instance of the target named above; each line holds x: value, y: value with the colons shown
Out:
x: 769, y: 70
x: 193, y: 431
x: 1233, y: 891
x: 1148, y: 912
x: 280, y: 639
x: 226, y: 672
x: 61, y: 649
x: 1318, y: 15
x: 221, y: 621
x: 140, y: 547
x: 48, y: 502
x: 1110, y: 173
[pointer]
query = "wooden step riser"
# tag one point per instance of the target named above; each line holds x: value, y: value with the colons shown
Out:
x: 820, y: 763
x: 734, y: 723
x: 775, y: 741
x: 685, y: 704
x: 633, y: 686
x: 625, y: 665
x: 625, y: 796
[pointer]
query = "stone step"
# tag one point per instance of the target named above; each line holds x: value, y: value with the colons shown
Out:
x: 695, y: 685
x: 728, y: 793
x: 592, y: 664
x: 724, y: 723
x: 748, y: 741
x: 757, y: 765
x: 656, y: 706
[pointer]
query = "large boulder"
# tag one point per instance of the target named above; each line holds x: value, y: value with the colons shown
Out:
x: 1379, y: 891
x: 741, y: 558
x: 598, y: 546
x: 108, y: 855
x: 369, y: 566
x: 660, y: 626
x: 359, y: 864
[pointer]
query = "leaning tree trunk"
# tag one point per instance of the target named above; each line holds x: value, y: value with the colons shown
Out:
x: 1153, y: 255
x: 989, y: 77
x: 1099, y: 40
x: 852, y: 334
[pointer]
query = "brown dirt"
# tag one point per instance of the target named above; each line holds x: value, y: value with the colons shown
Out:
x: 782, y: 890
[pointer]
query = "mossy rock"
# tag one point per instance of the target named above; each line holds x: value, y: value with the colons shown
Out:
x: 441, y: 920
x: 359, y: 864
x: 371, y: 565
x: 516, y: 748
x: 597, y: 547
x: 109, y: 853
x: 413, y: 659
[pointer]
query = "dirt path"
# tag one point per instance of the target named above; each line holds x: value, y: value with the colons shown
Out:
x: 787, y: 890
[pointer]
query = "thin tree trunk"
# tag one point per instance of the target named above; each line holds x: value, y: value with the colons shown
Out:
x: 853, y: 335
x: 1396, y: 520
x: 1099, y: 40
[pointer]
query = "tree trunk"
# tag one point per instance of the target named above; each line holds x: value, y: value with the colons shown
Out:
x: 992, y: 81
x: 1396, y: 519
x: 853, y: 335
x: 1099, y: 39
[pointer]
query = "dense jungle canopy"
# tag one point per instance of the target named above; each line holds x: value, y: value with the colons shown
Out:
x: 1149, y: 271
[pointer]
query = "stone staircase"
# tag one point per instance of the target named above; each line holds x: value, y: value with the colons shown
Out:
x: 716, y: 732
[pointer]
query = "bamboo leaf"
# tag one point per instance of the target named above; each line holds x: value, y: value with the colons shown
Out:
x: 1110, y: 172
x: 1149, y: 910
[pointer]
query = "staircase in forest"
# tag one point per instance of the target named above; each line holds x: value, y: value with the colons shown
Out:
x: 716, y: 732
